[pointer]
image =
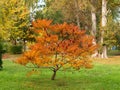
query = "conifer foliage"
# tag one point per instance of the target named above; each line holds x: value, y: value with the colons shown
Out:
x: 57, y: 45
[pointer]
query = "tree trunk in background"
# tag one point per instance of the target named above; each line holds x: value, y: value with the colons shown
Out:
x: 77, y: 13
x: 93, y: 30
x: 24, y: 45
x: 13, y: 41
x: 104, y: 22
x: 104, y: 52
x: 93, y: 16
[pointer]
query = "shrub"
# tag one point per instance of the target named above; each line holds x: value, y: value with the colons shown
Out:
x: 6, y: 46
x: 1, y: 52
x: 16, y: 49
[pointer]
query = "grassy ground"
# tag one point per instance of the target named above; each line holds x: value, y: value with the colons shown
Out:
x: 103, y: 76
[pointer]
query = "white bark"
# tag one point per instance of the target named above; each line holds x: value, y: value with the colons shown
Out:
x: 93, y: 31
x: 93, y: 17
x: 96, y: 51
x: 104, y: 22
x: 104, y: 13
x: 104, y: 52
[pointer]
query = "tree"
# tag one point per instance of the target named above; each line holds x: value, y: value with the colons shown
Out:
x: 34, y: 6
x: 70, y: 11
x: 108, y: 6
x: 117, y: 36
x: 103, y: 24
x: 111, y: 32
x: 77, y: 12
x: 50, y: 12
x: 56, y: 16
x: 57, y: 45
x: 94, y: 5
x: 15, y: 20
x: 2, y: 29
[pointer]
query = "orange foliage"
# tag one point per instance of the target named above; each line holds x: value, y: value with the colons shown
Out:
x: 58, y: 45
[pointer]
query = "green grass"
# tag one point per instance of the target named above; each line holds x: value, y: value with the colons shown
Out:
x: 101, y: 77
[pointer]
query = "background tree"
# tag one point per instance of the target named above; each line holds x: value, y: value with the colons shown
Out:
x: 56, y: 16
x: 117, y: 36
x: 94, y: 7
x: 3, y: 32
x: 108, y: 7
x: 51, y: 12
x: 79, y: 12
x: 15, y: 21
x: 73, y: 11
x: 57, y: 45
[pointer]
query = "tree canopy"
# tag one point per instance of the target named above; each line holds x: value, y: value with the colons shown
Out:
x: 57, y: 45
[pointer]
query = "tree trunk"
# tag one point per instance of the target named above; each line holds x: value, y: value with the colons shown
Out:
x: 24, y: 45
x: 54, y: 74
x: 77, y: 13
x: 93, y: 17
x: 96, y: 54
x: 104, y: 52
x: 14, y: 41
x: 93, y: 30
x: 104, y: 22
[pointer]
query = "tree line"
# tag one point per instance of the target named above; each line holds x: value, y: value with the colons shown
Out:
x: 97, y: 17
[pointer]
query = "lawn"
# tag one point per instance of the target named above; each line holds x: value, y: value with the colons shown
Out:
x: 102, y: 77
